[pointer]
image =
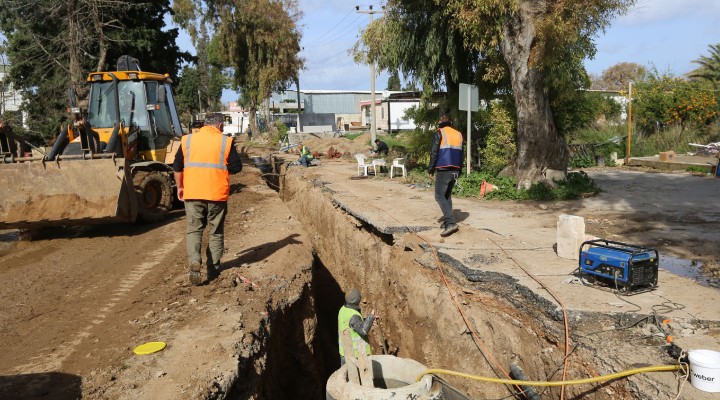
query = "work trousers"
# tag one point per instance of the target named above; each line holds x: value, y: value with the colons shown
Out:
x: 444, y: 183
x: 202, y: 213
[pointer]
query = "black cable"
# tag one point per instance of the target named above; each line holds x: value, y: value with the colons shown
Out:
x: 330, y: 30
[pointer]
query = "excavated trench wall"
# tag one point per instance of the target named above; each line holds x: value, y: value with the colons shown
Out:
x: 399, y: 277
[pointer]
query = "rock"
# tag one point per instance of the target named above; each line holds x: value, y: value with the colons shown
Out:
x: 160, y: 374
x: 543, y: 207
x: 193, y: 300
x: 149, y: 314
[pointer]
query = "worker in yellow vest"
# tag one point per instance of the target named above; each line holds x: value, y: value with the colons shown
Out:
x: 349, y: 318
x: 305, y: 155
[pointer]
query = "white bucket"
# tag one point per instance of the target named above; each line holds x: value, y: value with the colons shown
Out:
x: 705, y: 370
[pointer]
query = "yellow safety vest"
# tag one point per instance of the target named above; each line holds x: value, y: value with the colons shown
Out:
x: 344, y: 317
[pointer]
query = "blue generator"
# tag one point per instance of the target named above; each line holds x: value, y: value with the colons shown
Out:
x: 620, y: 266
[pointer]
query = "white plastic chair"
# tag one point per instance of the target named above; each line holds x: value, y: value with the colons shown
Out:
x: 361, y: 164
x: 398, y: 163
x: 378, y: 162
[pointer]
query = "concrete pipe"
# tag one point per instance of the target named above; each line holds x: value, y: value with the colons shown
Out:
x: 394, y: 378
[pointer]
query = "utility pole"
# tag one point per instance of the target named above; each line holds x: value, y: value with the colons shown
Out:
x: 3, y: 79
x: 373, y: 126
x: 629, y: 123
x: 297, y: 88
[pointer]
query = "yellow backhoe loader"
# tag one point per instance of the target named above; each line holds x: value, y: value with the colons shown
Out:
x: 111, y: 165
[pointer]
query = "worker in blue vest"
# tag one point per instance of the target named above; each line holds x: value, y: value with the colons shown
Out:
x: 349, y: 318
x: 444, y: 168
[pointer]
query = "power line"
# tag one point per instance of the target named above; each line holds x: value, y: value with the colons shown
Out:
x: 331, y: 29
x: 349, y: 27
x: 373, y: 128
x: 331, y: 57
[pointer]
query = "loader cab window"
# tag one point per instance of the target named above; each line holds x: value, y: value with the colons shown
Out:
x: 131, y: 97
x: 101, y: 108
x: 132, y: 104
x: 161, y: 115
x: 177, y: 127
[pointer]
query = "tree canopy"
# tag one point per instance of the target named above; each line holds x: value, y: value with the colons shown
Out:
x: 393, y: 82
x: 535, y: 47
x: 53, y: 44
x: 415, y: 38
x: 619, y: 75
x: 709, y: 66
x: 258, y: 39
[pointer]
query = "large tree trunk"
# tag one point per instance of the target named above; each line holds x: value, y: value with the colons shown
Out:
x: 73, y: 46
x: 100, y: 37
x: 253, y: 126
x: 539, y: 146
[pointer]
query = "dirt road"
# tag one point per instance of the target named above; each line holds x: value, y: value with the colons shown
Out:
x: 677, y: 213
x: 76, y: 301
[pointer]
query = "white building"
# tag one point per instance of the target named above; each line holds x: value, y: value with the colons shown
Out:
x: 349, y: 110
x: 10, y: 99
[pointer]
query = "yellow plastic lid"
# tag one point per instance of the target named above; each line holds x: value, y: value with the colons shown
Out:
x: 149, y: 348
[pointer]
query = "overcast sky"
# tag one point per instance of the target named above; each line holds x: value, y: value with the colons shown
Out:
x: 668, y: 34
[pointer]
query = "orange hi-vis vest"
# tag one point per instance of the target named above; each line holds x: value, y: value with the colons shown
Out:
x: 205, y: 175
x: 450, y: 152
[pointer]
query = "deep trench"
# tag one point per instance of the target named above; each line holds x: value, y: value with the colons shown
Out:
x: 524, y: 328
x: 294, y: 368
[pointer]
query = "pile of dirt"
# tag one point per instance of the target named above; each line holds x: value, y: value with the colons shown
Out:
x: 360, y: 144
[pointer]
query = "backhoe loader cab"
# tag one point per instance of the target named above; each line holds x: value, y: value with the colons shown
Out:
x: 111, y: 164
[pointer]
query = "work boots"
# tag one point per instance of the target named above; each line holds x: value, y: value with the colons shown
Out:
x: 449, y: 230
x: 213, y: 272
x: 195, y: 276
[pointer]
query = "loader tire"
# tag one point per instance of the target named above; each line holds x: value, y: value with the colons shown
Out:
x: 155, y: 196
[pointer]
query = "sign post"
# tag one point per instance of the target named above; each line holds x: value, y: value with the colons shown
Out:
x: 469, y: 101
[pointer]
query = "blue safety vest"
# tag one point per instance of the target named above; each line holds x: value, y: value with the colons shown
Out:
x: 450, y: 152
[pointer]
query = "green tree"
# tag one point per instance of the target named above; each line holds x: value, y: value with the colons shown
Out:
x: 664, y: 101
x: 192, y: 97
x: 537, y: 40
x: 414, y: 38
x: 619, y: 75
x: 52, y: 45
x: 394, y: 81
x: 410, y: 86
x: 258, y: 39
x: 500, y: 141
x: 709, y: 69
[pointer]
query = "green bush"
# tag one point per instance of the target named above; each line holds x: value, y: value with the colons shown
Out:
x: 663, y: 101
x: 500, y: 142
x: 282, y: 129
x: 580, y: 110
x: 695, y: 170
x: 577, y: 185
x: 353, y: 136
x: 581, y: 161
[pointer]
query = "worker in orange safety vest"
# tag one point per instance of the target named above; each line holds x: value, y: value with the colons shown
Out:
x: 202, y: 169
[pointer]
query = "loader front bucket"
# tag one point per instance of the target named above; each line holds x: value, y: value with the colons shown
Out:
x: 36, y: 194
